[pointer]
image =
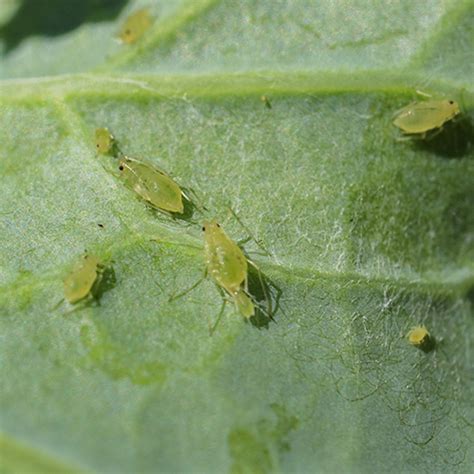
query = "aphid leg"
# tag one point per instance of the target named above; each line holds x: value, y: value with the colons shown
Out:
x: 258, y: 242
x: 409, y: 137
x: 188, y: 290
x: 241, y: 242
x: 219, y: 316
x: 432, y: 134
x: 58, y: 304
x: 197, y: 202
x: 163, y: 211
x: 80, y: 305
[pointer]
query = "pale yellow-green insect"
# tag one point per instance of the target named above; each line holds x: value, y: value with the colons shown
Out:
x: 135, y: 26
x: 227, y: 265
x: 85, y: 276
x: 421, y: 117
x: 419, y: 337
x: 152, y: 185
x: 104, y: 140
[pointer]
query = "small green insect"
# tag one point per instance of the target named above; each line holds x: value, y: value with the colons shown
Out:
x: 104, y: 140
x: 83, y: 279
x: 135, y: 26
x: 227, y: 265
x: 152, y: 185
x: 421, y: 338
x: 420, y: 118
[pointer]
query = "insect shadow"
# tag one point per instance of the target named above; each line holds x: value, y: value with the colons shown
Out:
x: 265, y: 295
x: 55, y: 17
x: 454, y: 140
x: 107, y: 283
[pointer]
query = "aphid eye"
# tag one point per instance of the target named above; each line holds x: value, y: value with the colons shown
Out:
x: 203, y: 229
x: 218, y: 225
x: 451, y: 102
x: 121, y: 167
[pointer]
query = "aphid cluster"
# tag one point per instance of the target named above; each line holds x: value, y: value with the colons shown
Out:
x: 225, y: 261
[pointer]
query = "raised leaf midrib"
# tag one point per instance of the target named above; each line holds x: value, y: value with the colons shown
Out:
x: 396, y: 83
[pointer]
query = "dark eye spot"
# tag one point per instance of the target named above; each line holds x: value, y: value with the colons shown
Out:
x: 218, y: 225
x: 451, y: 102
x: 121, y: 167
x: 97, y: 145
x: 203, y: 229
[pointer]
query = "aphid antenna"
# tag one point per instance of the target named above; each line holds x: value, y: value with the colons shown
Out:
x: 219, y: 316
x: 251, y: 236
x: 188, y: 290
x: 424, y: 84
x: 199, y: 205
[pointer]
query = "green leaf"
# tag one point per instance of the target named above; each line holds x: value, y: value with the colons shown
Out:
x: 367, y: 236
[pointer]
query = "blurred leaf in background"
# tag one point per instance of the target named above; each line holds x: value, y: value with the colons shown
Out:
x: 366, y: 237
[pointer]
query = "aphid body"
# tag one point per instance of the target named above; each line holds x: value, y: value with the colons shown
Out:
x: 421, y: 117
x: 152, y: 185
x: 85, y: 275
x: 419, y: 336
x: 104, y: 140
x: 227, y: 265
x: 135, y: 26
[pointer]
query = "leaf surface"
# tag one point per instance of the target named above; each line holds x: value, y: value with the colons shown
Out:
x: 366, y: 237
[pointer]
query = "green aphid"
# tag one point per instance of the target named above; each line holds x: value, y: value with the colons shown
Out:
x: 104, y: 140
x: 83, y: 279
x: 421, y: 338
x: 227, y: 265
x: 135, y: 26
x: 420, y: 118
x: 152, y: 185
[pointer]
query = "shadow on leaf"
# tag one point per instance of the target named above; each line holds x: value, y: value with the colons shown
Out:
x: 454, y: 141
x: 55, y: 17
x: 266, y: 297
x: 105, y: 284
